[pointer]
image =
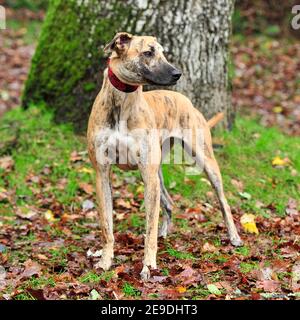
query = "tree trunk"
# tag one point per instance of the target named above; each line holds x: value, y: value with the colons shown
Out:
x: 67, y: 67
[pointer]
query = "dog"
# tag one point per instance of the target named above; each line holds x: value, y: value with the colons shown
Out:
x: 136, y: 61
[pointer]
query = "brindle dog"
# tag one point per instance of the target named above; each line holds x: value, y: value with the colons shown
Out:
x: 136, y: 61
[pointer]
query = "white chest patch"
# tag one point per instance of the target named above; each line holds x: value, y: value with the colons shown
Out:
x: 116, y: 147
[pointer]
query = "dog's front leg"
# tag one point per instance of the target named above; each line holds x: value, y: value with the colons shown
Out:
x: 152, y: 205
x: 105, y: 210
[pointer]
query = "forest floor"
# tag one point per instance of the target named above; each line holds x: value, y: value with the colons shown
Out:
x: 49, y: 232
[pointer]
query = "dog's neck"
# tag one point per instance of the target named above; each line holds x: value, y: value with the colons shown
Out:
x: 111, y: 90
x: 119, y: 105
x: 118, y: 84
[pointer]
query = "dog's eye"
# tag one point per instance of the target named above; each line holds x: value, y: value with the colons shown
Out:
x: 148, y: 54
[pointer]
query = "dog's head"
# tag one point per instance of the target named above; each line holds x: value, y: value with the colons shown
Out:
x: 140, y: 60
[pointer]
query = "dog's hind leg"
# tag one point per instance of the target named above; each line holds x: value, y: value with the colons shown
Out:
x: 201, y: 148
x: 213, y: 172
x: 167, y: 206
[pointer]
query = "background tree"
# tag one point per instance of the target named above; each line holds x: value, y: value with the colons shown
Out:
x: 68, y: 64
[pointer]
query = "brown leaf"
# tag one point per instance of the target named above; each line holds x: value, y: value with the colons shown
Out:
x: 3, y: 195
x: 158, y: 279
x: 31, y: 268
x: 6, y: 163
x: 189, y: 276
x: 207, y: 247
x: 75, y: 157
x: 291, y: 208
x: 87, y: 188
x: 26, y: 213
x: 269, y: 285
x: 38, y: 294
x: 121, y: 203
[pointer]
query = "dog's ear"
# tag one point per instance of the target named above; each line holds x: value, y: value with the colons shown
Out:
x: 120, y: 43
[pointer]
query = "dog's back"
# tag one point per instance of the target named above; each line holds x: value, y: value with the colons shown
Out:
x: 172, y: 108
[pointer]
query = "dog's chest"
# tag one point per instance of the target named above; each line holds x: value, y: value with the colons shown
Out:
x: 116, y: 146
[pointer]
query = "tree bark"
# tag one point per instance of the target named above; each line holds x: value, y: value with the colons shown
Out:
x: 67, y: 68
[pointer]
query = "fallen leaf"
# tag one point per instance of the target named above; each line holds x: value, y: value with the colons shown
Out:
x: 3, y: 194
x: 86, y: 187
x: 268, y: 285
x: 213, y: 289
x: 172, y: 185
x: 207, y: 247
x: 245, y: 195
x: 85, y: 170
x: 31, y: 268
x: 95, y: 295
x: 42, y: 257
x: 140, y: 189
x: 121, y: 203
x: 6, y: 163
x: 278, y: 162
x: 88, y: 205
x: 189, y: 276
x: 277, y: 109
x: 158, y: 279
x: 75, y: 157
x: 38, y: 294
x: 181, y: 289
x: 49, y: 216
x: 26, y: 213
x: 248, y: 223
x: 291, y: 208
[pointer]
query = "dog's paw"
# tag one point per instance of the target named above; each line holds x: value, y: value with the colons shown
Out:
x: 237, y: 242
x: 163, y: 231
x: 104, y: 263
x: 145, y: 274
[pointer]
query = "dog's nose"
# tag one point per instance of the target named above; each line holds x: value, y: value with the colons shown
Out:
x: 176, y: 74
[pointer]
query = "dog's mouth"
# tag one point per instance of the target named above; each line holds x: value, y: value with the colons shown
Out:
x: 164, y: 76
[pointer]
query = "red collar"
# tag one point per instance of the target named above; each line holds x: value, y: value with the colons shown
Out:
x: 118, y: 84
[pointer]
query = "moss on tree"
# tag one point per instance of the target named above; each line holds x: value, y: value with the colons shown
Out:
x: 67, y: 67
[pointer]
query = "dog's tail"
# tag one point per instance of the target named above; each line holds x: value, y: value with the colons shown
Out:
x: 215, y: 120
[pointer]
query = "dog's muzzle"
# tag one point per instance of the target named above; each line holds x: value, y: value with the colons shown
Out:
x: 163, y: 75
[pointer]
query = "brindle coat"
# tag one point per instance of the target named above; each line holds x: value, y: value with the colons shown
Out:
x: 139, y: 60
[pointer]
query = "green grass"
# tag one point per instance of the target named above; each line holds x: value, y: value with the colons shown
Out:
x: 247, y: 156
x: 39, y: 144
x: 92, y: 277
x: 38, y: 283
x: 214, y: 257
x: 180, y: 255
x: 35, y: 143
x: 244, y: 251
x: 130, y: 291
x: 247, y: 267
